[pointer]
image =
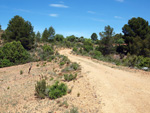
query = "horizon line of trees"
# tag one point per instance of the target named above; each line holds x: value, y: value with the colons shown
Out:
x: 135, y: 39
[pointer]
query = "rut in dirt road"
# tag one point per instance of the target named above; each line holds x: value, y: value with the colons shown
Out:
x: 119, y: 91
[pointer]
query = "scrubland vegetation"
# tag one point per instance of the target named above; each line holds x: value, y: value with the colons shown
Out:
x: 22, y: 45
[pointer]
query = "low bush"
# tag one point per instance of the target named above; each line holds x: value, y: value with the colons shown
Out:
x: 57, y: 90
x: 5, y: 63
x: 40, y: 89
x: 137, y: 61
x: 75, y: 66
x: 88, y: 48
x: 48, y: 49
x: 64, y: 60
x: 96, y: 54
x: 13, y: 53
x: 75, y: 49
x: 70, y: 77
x: 62, y: 63
x: 46, y: 53
x: 68, y: 44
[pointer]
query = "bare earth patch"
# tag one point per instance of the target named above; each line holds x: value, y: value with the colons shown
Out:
x: 17, y: 90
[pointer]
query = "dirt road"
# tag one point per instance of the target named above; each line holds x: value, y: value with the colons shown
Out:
x: 119, y: 91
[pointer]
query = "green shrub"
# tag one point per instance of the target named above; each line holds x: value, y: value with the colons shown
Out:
x: 64, y: 60
x: 40, y: 89
x: 138, y: 61
x: 59, y: 37
x: 48, y: 49
x: 75, y: 66
x: 57, y: 90
x: 96, y: 54
x: 75, y: 49
x: 5, y: 63
x: 14, y: 52
x: 68, y: 44
x: 62, y: 63
x: 46, y: 52
x: 88, y: 48
x: 21, y: 72
x: 70, y: 77
x: 143, y: 62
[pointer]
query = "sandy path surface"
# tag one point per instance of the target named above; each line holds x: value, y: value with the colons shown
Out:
x: 119, y: 91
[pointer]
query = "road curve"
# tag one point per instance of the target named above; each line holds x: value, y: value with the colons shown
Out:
x: 119, y: 91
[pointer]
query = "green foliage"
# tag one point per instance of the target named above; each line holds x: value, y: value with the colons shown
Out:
x: 38, y: 37
x: 5, y: 63
x: 0, y: 27
x: 47, y: 48
x: 118, y: 39
x: 137, y: 36
x: 88, y: 46
x: 75, y: 49
x: 138, y: 61
x: 20, y: 30
x: 62, y: 63
x: 71, y: 38
x: 46, y: 53
x: 88, y: 42
x: 68, y: 44
x: 13, y: 53
x: 94, y: 36
x: 70, y: 77
x: 48, y: 34
x: 45, y: 35
x: 57, y: 90
x: 96, y: 54
x: 64, y: 60
x: 59, y: 37
x: 75, y: 66
x: 106, y: 44
x: 51, y: 32
x: 40, y: 88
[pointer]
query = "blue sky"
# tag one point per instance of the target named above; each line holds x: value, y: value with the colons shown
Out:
x: 75, y: 17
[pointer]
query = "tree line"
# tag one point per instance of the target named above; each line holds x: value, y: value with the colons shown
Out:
x: 135, y: 39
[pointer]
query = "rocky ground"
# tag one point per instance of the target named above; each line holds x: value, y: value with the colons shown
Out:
x: 18, y: 90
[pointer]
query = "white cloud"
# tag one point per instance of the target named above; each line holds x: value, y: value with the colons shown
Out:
x: 59, y: 5
x: 120, y: 0
x: 53, y: 15
x: 118, y: 17
x: 91, y: 12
